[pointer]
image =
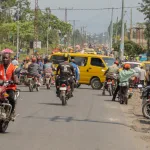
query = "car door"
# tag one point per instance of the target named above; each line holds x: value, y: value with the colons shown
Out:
x: 97, y: 68
x: 82, y: 62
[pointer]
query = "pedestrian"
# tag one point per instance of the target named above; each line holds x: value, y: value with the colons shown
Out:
x: 142, y: 75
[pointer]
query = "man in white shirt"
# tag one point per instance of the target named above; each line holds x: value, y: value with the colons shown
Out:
x: 142, y: 75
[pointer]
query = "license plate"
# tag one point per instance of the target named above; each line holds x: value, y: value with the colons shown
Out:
x: 62, y: 88
x: 140, y: 86
x: 109, y: 82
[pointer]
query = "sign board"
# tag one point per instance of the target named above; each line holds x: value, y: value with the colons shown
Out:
x: 37, y: 44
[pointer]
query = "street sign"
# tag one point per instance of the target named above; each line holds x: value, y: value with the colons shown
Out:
x: 37, y: 44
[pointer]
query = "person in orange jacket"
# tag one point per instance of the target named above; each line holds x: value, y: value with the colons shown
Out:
x: 7, y: 73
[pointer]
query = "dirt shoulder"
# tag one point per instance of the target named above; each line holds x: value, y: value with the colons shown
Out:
x: 135, y: 119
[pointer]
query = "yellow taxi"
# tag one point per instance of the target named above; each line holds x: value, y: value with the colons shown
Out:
x: 92, y: 67
x: 146, y: 64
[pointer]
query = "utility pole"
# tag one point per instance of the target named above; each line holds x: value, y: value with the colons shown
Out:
x: 17, y: 31
x: 131, y: 28
x: 111, y: 30
x: 74, y: 28
x: 66, y: 12
x: 122, y: 33
x: 116, y: 31
x: 48, y: 28
x: 36, y: 25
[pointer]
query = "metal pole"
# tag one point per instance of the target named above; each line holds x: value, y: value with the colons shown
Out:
x: 116, y: 31
x: 111, y: 29
x: 18, y: 31
x: 122, y: 33
x: 49, y: 12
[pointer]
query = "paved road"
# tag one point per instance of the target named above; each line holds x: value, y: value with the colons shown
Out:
x: 89, y: 122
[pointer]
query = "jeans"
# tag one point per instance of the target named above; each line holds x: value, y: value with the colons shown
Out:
x: 116, y: 92
x: 124, y: 92
x: 11, y: 99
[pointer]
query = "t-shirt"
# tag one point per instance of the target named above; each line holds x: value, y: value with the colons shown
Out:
x: 142, y: 74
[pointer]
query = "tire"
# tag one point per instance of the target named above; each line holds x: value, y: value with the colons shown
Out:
x: 37, y: 88
x: 48, y: 86
x: 110, y: 90
x: 78, y: 85
x: 144, y: 110
x: 96, y: 84
x: 3, y: 126
x: 64, y: 102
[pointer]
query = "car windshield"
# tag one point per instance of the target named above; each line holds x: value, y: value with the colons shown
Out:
x: 133, y: 65
x: 57, y: 59
x: 109, y: 61
x: 147, y: 66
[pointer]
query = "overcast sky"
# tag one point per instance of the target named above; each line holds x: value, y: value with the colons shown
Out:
x: 96, y: 21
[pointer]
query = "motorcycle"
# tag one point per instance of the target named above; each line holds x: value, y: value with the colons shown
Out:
x: 5, y: 107
x: 110, y: 85
x: 22, y: 76
x: 32, y: 83
x: 47, y: 79
x: 146, y: 102
x: 64, y: 90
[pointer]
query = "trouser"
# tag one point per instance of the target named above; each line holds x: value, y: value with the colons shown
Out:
x: 142, y: 82
x: 124, y: 92
x: 11, y: 99
x: 116, y: 92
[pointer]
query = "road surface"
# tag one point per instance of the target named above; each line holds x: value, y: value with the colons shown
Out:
x: 89, y: 122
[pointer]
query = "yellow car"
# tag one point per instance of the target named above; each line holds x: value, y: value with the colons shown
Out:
x: 146, y: 64
x: 92, y: 67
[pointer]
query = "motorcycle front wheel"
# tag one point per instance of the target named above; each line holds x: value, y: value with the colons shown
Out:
x: 3, y: 126
x: 146, y: 110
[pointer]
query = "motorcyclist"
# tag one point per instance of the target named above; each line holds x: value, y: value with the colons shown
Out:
x: 47, y: 69
x: 27, y: 63
x: 34, y: 70
x: 7, y: 73
x: 66, y: 70
x: 110, y: 73
x: 124, y: 77
x: 76, y: 69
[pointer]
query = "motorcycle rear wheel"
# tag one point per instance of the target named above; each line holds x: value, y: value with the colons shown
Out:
x: 3, y: 126
x: 146, y: 110
x: 64, y: 102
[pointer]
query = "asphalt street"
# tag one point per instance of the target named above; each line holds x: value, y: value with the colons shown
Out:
x: 89, y: 122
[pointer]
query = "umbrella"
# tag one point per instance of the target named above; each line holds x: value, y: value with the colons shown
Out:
x: 7, y: 51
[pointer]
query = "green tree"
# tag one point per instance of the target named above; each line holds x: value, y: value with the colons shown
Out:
x: 145, y: 9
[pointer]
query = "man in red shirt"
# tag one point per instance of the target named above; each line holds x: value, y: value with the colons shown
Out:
x: 7, y: 73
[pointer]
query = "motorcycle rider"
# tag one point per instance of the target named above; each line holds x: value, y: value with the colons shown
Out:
x: 47, y: 69
x: 66, y: 70
x: 7, y: 73
x: 27, y: 63
x: 111, y: 71
x: 124, y: 77
x: 34, y: 69
x: 76, y: 69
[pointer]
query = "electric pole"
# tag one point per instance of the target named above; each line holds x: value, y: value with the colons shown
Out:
x: 48, y: 28
x: 122, y: 33
x: 36, y: 25
x: 66, y: 12
x: 74, y: 28
x: 131, y: 28
x: 111, y: 30
x: 116, y: 31
x: 17, y: 31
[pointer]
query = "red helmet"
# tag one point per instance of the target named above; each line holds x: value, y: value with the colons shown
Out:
x: 127, y: 66
x: 116, y: 62
x: 34, y: 59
